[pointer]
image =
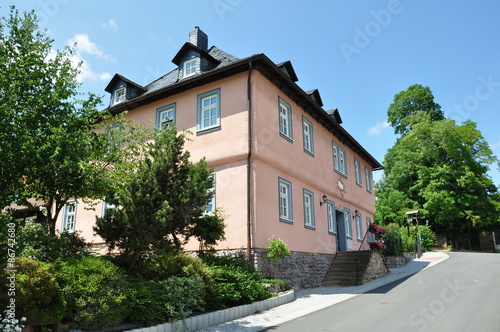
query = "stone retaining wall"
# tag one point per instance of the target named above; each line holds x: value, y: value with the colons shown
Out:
x: 300, y: 270
x: 376, y: 268
x: 398, y: 261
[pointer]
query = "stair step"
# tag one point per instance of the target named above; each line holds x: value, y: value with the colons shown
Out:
x: 348, y: 269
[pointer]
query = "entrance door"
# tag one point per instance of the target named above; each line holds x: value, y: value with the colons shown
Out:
x: 341, y: 235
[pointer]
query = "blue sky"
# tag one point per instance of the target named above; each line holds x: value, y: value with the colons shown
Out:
x: 359, y: 54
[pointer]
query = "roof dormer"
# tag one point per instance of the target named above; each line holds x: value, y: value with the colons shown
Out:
x: 287, y: 68
x: 123, y: 89
x: 193, y: 57
x: 314, y: 95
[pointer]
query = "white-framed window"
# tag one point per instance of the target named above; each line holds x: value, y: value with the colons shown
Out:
x: 114, y: 133
x: 332, y: 218
x: 309, y: 221
x: 348, y: 224
x: 69, y: 217
x: 307, y: 130
x: 285, y: 113
x: 357, y: 170
x: 165, y: 116
x: 285, y: 200
x: 370, y: 235
x: 211, y: 200
x: 190, y: 67
x: 359, y: 227
x: 106, y: 207
x: 339, y: 159
x: 119, y: 95
x: 368, y: 179
x: 208, y: 111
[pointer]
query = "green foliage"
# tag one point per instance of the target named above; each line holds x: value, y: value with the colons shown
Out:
x: 428, y: 237
x: 440, y: 168
x: 35, y: 242
x: 277, y: 249
x: 393, y: 241
x: 95, y: 291
x: 172, y: 299
x: 408, y: 240
x: 163, y: 203
x: 411, y: 106
x: 36, y: 291
x: 50, y: 147
x: 235, y: 283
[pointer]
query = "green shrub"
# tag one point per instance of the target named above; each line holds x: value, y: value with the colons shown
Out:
x: 95, y: 291
x: 408, y: 241
x: 427, y: 236
x: 429, y: 240
x: 235, y: 283
x: 36, y: 291
x: 170, y: 300
x: 277, y: 249
x: 36, y: 242
x: 393, y: 241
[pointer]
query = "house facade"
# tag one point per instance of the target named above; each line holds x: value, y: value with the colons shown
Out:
x: 283, y: 166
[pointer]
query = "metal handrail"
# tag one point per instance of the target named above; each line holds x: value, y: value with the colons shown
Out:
x: 364, y: 237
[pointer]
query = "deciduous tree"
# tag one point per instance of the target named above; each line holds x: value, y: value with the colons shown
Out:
x: 441, y: 169
x: 51, y: 146
x: 408, y: 106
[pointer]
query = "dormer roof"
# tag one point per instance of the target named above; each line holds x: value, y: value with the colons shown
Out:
x: 314, y: 94
x: 335, y: 115
x: 117, y: 78
x: 287, y: 68
x: 190, y: 47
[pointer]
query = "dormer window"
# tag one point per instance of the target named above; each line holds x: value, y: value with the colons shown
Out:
x: 190, y: 67
x: 119, y: 96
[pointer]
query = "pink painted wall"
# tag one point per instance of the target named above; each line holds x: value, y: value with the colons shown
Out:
x: 277, y: 157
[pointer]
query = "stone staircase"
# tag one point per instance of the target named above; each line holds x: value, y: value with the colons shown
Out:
x: 354, y: 268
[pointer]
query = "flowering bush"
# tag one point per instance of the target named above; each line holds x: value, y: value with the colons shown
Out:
x: 11, y: 325
x: 377, y: 245
x: 376, y: 229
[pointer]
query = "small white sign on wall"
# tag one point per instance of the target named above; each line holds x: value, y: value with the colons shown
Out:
x: 349, y: 244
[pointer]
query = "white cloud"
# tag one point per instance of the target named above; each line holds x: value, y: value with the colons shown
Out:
x: 377, y: 129
x: 85, y: 47
x: 111, y: 24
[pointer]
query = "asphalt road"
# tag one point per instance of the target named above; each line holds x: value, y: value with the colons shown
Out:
x: 459, y: 294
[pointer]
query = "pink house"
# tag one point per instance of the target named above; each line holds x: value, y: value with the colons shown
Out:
x: 283, y: 165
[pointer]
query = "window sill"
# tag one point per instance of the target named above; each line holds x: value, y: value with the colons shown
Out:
x: 289, y: 139
x: 286, y: 221
x: 309, y: 152
x: 207, y: 130
x: 340, y: 173
x: 313, y: 228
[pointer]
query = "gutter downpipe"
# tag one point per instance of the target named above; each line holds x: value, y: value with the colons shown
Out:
x: 249, y: 170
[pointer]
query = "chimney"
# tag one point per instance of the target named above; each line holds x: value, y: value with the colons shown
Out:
x: 199, y: 38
